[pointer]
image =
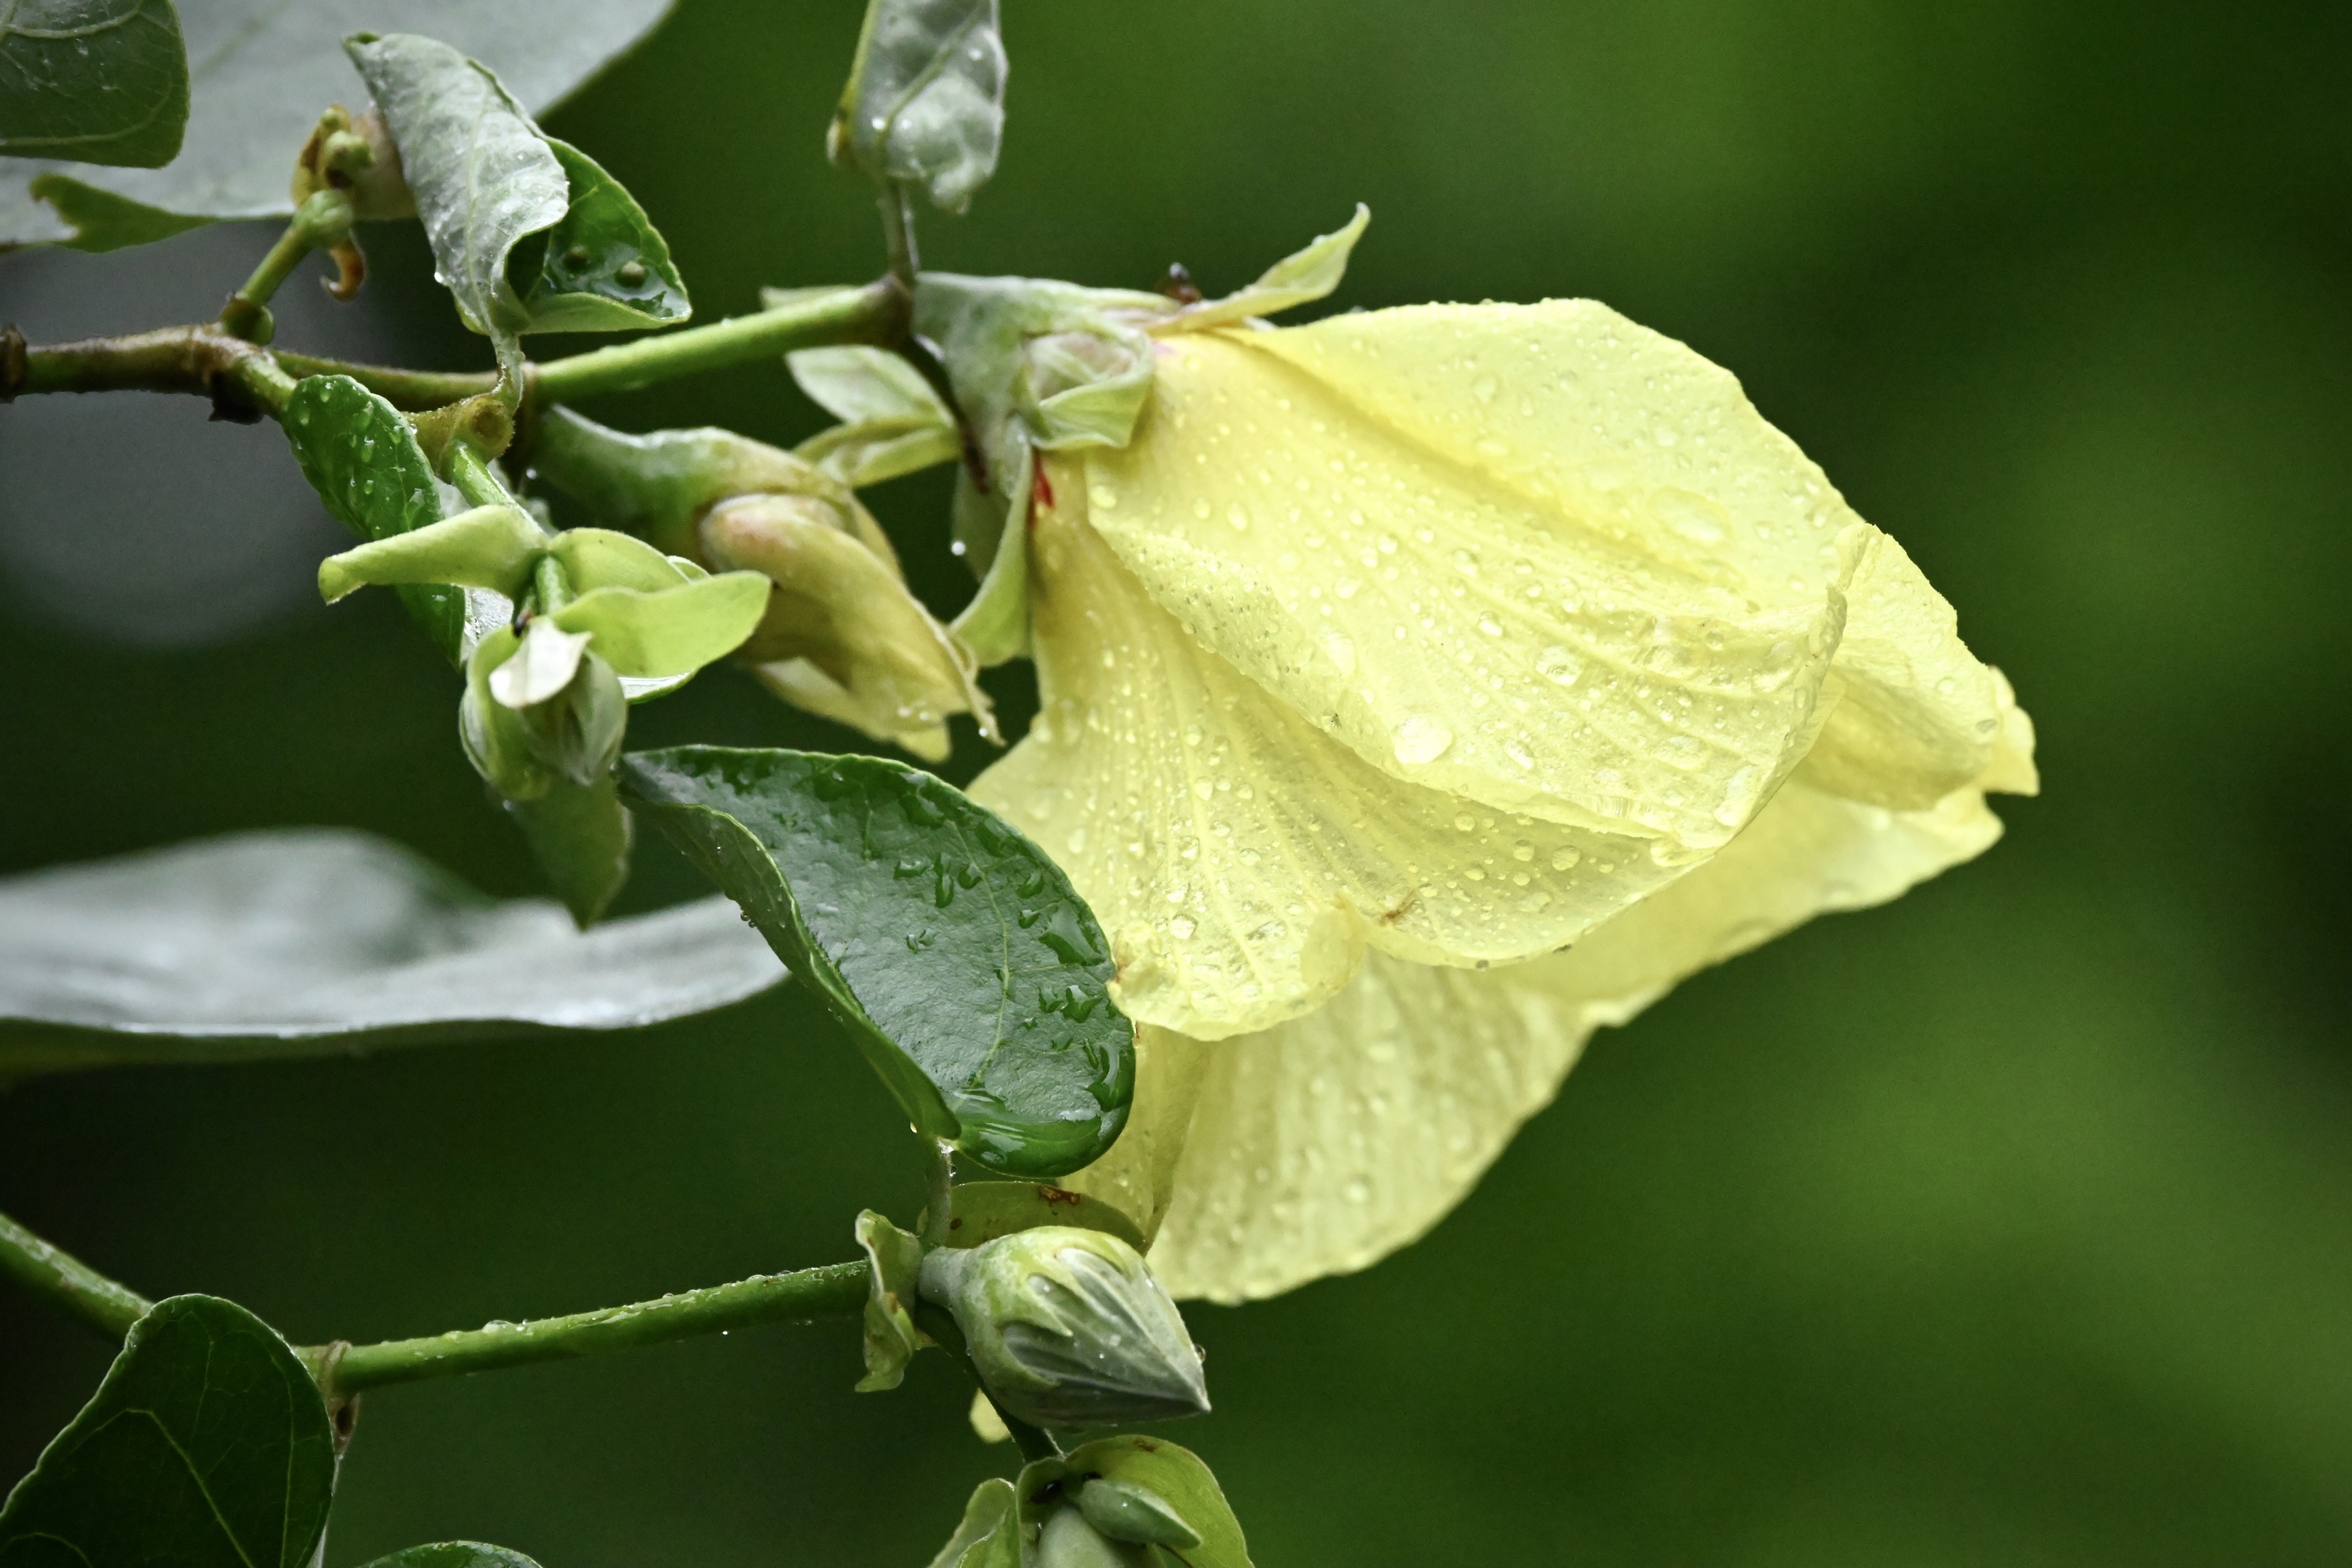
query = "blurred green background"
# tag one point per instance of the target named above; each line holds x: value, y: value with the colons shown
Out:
x: 2009, y: 1224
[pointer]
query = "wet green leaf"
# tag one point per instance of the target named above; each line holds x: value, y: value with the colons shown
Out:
x: 360, y: 454
x: 603, y: 268
x: 894, y: 1262
x: 95, y: 81
x: 455, y: 1554
x: 987, y: 1536
x: 985, y: 1211
x: 260, y: 71
x: 952, y: 948
x: 207, y: 1443
x: 925, y: 103
x: 307, y: 941
x: 580, y: 835
x: 1173, y: 1477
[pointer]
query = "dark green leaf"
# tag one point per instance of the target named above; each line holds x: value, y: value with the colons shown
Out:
x: 1171, y: 1475
x: 925, y: 102
x: 580, y: 836
x: 985, y: 1211
x: 207, y: 1443
x: 482, y: 175
x: 96, y: 82
x: 603, y: 268
x: 954, y: 950
x: 455, y: 1554
x: 104, y: 220
x: 311, y: 940
x: 262, y: 69
x: 360, y: 454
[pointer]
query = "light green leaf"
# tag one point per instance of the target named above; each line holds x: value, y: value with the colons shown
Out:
x: 603, y: 268
x: 1174, y: 1479
x: 489, y: 548
x: 360, y: 454
x: 894, y: 1265
x: 580, y: 836
x: 455, y: 1554
x: 925, y: 103
x: 675, y: 632
x: 96, y: 82
x: 873, y: 450
x: 100, y: 219
x: 207, y: 1444
x: 985, y: 1211
x: 853, y: 381
x: 951, y: 946
x: 989, y: 1515
x: 1297, y: 279
x: 600, y: 558
x: 261, y: 73
x: 309, y: 941
x: 544, y: 661
x: 482, y: 175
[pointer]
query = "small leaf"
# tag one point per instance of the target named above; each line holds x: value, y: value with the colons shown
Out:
x: 673, y: 633
x: 482, y: 175
x: 985, y: 1211
x: 207, y: 1443
x: 360, y: 454
x: 102, y: 220
x: 96, y: 82
x: 489, y: 548
x: 600, y: 558
x: 580, y: 835
x: 989, y: 1515
x: 603, y: 268
x: 838, y: 861
x: 873, y: 450
x: 853, y: 381
x: 1299, y: 279
x: 1173, y: 1477
x: 895, y: 1264
x: 925, y: 102
x: 455, y: 1554
x: 542, y: 664
x: 307, y: 941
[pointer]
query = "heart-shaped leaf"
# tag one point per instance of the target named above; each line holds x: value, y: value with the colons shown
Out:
x: 207, y: 1443
x: 967, y: 969
x: 96, y: 82
x: 307, y: 941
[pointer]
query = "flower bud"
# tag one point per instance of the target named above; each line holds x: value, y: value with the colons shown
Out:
x: 1068, y: 1328
x: 1069, y: 1539
x: 527, y: 719
x: 354, y: 154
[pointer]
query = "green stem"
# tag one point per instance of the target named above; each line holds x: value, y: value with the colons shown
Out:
x: 877, y: 313
x: 835, y: 1290
x: 898, y: 232
x: 939, y: 1215
x: 68, y: 1283
x: 323, y: 219
x: 474, y: 479
x: 412, y: 392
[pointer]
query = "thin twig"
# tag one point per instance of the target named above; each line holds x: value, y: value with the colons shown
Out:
x: 68, y: 1283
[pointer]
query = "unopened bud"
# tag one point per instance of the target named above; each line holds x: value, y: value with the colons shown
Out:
x: 354, y: 154
x: 538, y: 708
x: 1068, y: 1329
x: 1069, y: 1539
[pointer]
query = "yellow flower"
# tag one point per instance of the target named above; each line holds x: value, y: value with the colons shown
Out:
x: 1422, y: 689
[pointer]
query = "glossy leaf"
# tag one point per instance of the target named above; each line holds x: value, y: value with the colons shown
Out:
x: 262, y: 70
x: 970, y: 976
x: 603, y: 268
x: 925, y: 103
x: 455, y: 1554
x: 987, y: 1536
x: 1172, y: 1476
x: 306, y: 941
x: 360, y: 454
x: 580, y: 835
x: 985, y: 1211
x: 207, y: 1443
x: 482, y: 175
x: 96, y: 82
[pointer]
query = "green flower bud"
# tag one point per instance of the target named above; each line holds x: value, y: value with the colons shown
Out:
x: 1127, y: 1511
x: 1068, y: 1328
x: 1069, y: 1539
x: 538, y: 708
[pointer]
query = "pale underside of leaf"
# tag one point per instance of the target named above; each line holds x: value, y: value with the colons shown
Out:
x: 306, y: 940
x: 1530, y: 651
x: 261, y: 71
x: 1323, y: 1144
x: 1240, y: 859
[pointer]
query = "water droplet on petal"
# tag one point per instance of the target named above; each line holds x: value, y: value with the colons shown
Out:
x: 1420, y: 741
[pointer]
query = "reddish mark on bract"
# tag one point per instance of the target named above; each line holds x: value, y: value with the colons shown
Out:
x: 1058, y: 1194
x: 1041, y: 491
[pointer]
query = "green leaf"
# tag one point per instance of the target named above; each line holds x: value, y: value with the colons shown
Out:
x: 455, y: 1554
x: 261, y: 71
x: 103, y: 220
x: 309, y: 941
x: 894, y: 423
x: 987, y: 1536
x: 489, y: 548
x: 894, y: 1271
x: 482, y: 175
x: 925, y: 103
x: 97, y: 81
x: 985, y: 1211
x: 1300, y: 279
x: 601, y: 557
x: 580, y: 835
x: 953, y: 949
x: 603, y: 268
x: 873, y: 450
x: 207, y: 1443
x: 675, y: 632
x: 1174, y: 1476
x: 360, y: 454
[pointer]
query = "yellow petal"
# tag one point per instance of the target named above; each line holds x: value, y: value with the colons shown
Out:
x: 1323, y: 1144
x: 1239, y: 859
x: 1534, y: 556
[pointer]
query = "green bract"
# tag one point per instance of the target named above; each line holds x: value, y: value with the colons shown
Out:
x: 96, y: 82
x: 894, y: 1261
x: 925, y: 103
x: 1138, y: 1493
x: 207, y: 1443
x: 970, y: 976
x: 893, y: 422
x: 1067, y: 1328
